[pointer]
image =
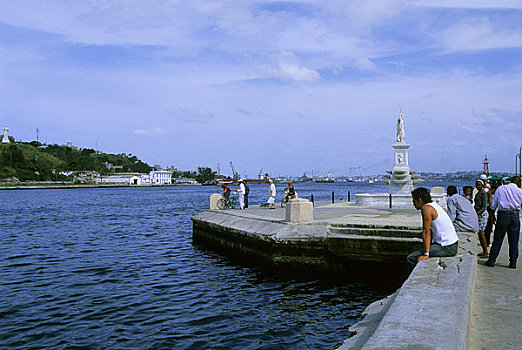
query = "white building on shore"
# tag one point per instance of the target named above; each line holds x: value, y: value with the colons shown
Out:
x: 153, y: 178
x: 157, y: 177
x: 122, y: 179
x: 185, y: 181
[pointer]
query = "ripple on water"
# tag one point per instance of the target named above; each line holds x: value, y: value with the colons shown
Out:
x: 115, y: 268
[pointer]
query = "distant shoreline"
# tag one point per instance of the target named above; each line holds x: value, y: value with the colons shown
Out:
x: 65, y: 186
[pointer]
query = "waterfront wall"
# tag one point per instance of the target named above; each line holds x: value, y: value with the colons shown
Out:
x: 430, y: 311
x: 317, y: 245
x: 269, y: 241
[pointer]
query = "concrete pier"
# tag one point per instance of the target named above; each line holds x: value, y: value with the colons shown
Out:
x: 446, y: 303
x: 339, y: 233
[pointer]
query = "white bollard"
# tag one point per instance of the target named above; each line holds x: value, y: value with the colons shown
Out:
x: 213, y: 200
x: 299, y: 209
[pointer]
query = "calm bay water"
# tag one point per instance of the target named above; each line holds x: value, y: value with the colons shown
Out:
x: 116, y: 268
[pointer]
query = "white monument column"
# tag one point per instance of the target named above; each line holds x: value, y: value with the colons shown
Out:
x: 400, y: 180
x: 5, y: 139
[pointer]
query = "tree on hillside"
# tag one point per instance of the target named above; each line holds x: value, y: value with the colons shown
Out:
x: 34, y: 161
x: 205, y: 175
x: 84, y: 162
x: 13, y: 156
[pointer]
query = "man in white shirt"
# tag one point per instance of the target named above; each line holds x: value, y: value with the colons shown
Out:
x: 438, y: 234
x: 272, y: 194
x: 507, y: 201
x: 241, y: 194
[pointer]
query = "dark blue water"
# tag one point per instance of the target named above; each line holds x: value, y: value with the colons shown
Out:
x: 116, y: 268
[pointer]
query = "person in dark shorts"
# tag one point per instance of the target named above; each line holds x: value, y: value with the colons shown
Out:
x: 247, y: 191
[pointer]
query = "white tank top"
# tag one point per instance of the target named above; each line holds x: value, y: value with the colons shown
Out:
x: 442, y: 227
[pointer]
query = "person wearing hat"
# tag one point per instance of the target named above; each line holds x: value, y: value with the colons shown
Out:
x: 484, y: 179
x: 241, y: 194
x: 487, y: 186
x: 507, y: 201
x: 272, y: 194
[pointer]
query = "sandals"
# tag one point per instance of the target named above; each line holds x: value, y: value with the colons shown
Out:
x: 483, y: 255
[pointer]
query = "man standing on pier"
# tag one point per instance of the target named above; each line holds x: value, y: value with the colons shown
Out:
x: 272, y: 194
x: 438, y: 234
x: 507, y: 201
x: 241, y: 195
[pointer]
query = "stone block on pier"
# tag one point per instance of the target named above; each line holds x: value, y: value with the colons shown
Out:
x: 214, y: 198
x: 299, y: 209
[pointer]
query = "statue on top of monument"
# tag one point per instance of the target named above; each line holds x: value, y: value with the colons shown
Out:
x: 5, y: 139
x: 400, y: 127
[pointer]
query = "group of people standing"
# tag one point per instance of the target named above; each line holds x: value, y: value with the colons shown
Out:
x: 472, y: 211
x: 243, y: 190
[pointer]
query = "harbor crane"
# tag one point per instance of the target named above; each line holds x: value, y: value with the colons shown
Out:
x: 235, y: 176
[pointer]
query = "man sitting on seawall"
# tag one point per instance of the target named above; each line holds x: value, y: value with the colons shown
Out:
x: 461, y: 211
x: 444, y: 240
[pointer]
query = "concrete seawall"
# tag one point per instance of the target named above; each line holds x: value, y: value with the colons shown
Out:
x: 270, y: 241
x: 329, y: 243
x: 430, y: 311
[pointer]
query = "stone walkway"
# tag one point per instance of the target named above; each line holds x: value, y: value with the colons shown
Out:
x: 496, y: 314
x: 342, y: 212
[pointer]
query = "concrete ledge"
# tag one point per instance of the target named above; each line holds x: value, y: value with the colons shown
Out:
x: 430, y: 311
x: 296, y: 244
x: 267, y: 241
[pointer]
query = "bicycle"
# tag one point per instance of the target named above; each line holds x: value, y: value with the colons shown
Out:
x: 227, y: 203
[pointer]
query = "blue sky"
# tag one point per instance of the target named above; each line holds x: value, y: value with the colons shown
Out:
x: 284, y: 86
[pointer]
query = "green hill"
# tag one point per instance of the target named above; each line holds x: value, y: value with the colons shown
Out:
x: 34, y: 161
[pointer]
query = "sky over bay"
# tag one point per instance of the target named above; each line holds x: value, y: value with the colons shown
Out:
x: 284, y: 86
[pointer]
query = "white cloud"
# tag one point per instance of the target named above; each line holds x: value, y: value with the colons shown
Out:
x: 189, y: 28
x: 291, y: 71
x: 362, y: 15
x: 479, y: 34
x: 151, y: 132
x: 475, y: 4
x: 364, y: 63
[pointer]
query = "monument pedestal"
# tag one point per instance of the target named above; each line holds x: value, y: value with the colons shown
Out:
x: 400, y: 179
x: 398, y: 201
